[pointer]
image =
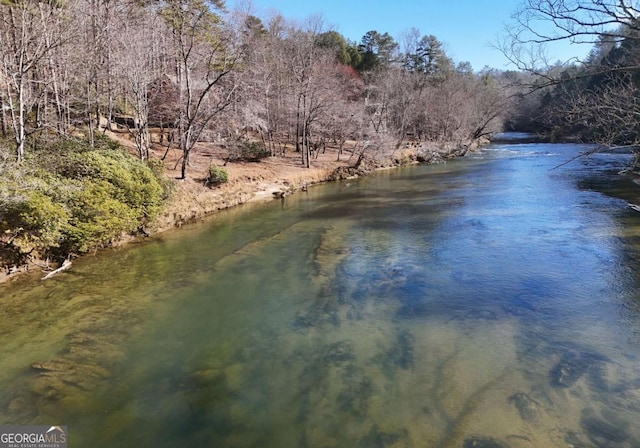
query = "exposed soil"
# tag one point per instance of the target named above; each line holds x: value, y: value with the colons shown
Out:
x: 248, y: 181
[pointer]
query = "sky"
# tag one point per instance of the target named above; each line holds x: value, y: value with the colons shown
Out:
x: 467, y: 28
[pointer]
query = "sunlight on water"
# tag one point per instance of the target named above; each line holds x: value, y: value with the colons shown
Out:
x: 489, y: 302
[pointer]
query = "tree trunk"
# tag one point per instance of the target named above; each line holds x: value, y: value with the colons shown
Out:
x: 20, y: 131
x: 3, y: 117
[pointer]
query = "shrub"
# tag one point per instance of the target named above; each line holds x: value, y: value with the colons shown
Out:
x: 217, y: 175
x: 31, y: 222
x: 127, y: 179
x: 254, y: 151
x: 248, y: 151
x: 157, y: 168
x: 73, y: 198
x: 97, y: 218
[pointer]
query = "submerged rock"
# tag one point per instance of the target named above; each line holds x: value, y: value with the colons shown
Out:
x: 574, y: 441
x: 571, y: 367
x: 528, y: 408
x: 379, y: 439
x: 338, y: 352
x: 317, y: 316
x: 53, y: 365
x: 59, y: 374
x: 482, y: 442
x: 401, y: 355
x: 355, y: 395
x: 604, y: 433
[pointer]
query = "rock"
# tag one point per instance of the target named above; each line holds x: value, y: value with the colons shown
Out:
x: 568, y: 370
x: 573, y: 440
x: 401, y: 355
x: 482, y: 442
x: 379, y: 439
x: 60, y: 373
x: 53, y: 365
x: 355, y: 395
x: 604, y: 433
x: 338, y: 352
x: 528, y: 408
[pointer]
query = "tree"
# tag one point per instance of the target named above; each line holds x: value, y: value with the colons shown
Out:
x: 430, y: 57
x: 540, y: 23
x: 29, y: 31
x: 98, y: 21
x: 595, y: 98
x: 203, y: 59
x: 376, y: 50
x: 263, y: 81
x: 135, y: 62
x: 336, y: 42
x: 307, y: 65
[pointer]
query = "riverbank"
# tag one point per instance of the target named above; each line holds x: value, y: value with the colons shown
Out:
x: 269, y: 179
x: 275, y: 177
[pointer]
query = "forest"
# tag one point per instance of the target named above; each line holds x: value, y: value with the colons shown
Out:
x: 593, y: 99
x: 179, y: 72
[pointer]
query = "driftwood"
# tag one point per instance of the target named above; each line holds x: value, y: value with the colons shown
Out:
x: 65, y: 265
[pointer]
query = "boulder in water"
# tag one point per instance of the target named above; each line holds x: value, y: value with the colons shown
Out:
x: 568, y: 370
x: 528, y: 408
x: 482, y: 442
x: 604, y: 433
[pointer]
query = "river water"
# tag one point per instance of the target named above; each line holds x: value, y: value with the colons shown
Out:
x: 492, y: 301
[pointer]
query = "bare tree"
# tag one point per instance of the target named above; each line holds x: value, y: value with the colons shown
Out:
x: 603, y: 114
x: 596, y: 97
x: 136, y: 61
x: 540, y: 23
x: 28, y: 32
x: 203, y: 58
x: 98, y: 22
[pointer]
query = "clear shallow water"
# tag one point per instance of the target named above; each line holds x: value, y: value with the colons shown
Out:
x: 487, y: 302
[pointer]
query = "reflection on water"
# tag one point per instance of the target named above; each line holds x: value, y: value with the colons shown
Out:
x: 489, y: 302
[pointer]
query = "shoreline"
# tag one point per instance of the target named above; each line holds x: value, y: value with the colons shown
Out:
x: 249, y: 182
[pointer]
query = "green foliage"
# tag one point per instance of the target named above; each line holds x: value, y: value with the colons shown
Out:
x: 191, y: 19
x: 337, y: 43
x: 376, y: 51
x: 217, y: 175
x: 31, y: 221
x: 157, y: 168
x: 120, y: 175
x: 71, y: 198
x: 248, y: 151
x: 98, y: 216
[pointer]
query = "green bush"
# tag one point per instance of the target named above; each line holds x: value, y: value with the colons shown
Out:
x: 248, y: 151
x: 98, y: 217
x: 217, y: 175
x: 31, y: 222
x: 72, y: 198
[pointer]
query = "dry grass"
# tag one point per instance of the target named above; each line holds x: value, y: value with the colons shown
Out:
x: 248, y: 181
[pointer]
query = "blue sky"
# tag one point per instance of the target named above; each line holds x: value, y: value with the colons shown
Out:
x: 466, y: 27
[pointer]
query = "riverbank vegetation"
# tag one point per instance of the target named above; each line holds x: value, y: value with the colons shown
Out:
x: 593, y: 99
x: 179, y: 80
x: 68, y: 197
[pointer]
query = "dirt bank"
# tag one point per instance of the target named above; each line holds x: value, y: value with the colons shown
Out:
x: 250, y: 181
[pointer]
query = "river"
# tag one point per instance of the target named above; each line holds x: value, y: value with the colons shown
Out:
x: 489, y: 302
